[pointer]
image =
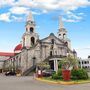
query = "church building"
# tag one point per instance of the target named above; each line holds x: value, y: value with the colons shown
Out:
x: 33, y: 50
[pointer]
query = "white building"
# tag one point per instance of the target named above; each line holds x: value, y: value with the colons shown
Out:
x: 85, y: 63
x: 33, y: 50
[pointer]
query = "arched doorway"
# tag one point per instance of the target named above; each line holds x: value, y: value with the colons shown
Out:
x: 34, y: 61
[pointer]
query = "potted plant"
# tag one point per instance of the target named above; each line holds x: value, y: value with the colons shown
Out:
x: 66, y: 73
x: 67, y: 64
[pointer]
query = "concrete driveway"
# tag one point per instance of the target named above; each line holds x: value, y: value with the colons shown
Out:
x: 28, y: 83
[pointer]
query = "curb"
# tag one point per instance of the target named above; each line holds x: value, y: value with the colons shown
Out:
x: 61, y: 82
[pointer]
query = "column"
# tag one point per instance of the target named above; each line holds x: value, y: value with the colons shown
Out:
x: 55, y: 65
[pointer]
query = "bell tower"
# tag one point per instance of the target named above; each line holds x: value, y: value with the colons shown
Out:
x: 30, y: 37
x: 62, y: 33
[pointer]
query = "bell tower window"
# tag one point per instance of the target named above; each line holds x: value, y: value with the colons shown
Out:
x: 31, y: 29
x: 32, y: 40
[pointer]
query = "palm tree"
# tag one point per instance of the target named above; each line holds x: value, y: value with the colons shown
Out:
x: 68, y: 63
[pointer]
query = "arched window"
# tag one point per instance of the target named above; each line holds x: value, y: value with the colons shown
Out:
x: 31, y: 29
x: 32, y: 40
x: 51, y: 53
x: 66, y: 43
x: 51, y: 47
x: 52, y: 40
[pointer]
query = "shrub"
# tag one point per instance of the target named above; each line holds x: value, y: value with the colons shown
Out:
x: 59, y: 72
x: 79, y: 74
x: 55, y: 76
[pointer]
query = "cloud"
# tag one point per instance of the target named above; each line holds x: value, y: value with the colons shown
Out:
x: 6, y: 2
x: 61, y: 4
x: 5, y: 17
x: 21, y: 7
x: 19, y: 10
x: 18, y: 19
x: 48, y: 4
x: 72, y: 17
x: 70, y: 20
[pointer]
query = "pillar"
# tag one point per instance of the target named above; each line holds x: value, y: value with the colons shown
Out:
x: 55, y: 65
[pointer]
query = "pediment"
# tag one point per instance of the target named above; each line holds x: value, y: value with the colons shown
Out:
x: 49, y: 39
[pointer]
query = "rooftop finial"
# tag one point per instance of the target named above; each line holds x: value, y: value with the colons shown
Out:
x: 60, y: 22
x: 30, y: 17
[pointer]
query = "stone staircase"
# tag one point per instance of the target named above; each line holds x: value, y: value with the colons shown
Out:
x: 29, y: 71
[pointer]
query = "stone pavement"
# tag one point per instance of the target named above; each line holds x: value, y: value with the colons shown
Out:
x: 28, y: 83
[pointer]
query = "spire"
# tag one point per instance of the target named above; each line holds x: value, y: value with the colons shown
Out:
x: 60, y: 22
x: 30, y: 17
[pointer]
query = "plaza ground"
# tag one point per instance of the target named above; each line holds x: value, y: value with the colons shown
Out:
x: 28, y: 83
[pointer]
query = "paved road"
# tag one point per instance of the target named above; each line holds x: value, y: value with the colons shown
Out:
x: 28, y: 83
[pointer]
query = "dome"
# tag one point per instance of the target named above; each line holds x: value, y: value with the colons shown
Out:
x: 18, y: 48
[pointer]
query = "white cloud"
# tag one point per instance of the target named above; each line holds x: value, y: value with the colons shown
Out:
x: 18, y: 19
x: 61, y: 4
x: 44, y: 11
x: 73, y: 17
x: 36, y: 13
x: 5, y: 17
x: 20, y: 7
x: 29, y: 3
x: 6, y: 2
x: 48, y: 4
x: 69, y: 20
x: 19, y: 10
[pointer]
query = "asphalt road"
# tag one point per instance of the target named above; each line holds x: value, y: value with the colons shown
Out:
x: 28, y: 83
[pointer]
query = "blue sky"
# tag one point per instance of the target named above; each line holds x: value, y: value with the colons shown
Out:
x: 76, y: 18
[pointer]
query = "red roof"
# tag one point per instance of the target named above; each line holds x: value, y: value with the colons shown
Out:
x: 18, y: 47
x: 6, y: 54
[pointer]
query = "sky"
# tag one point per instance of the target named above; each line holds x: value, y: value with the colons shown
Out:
x: 75, y: 15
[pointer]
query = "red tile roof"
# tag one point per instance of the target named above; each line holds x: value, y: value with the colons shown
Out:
x: 6, y: 54
x: 18, y: 47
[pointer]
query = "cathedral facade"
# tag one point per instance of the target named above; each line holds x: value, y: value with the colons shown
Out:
x: 33, y: 50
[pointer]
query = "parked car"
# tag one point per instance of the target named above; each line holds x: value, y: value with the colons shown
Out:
x: 10, y: 73
x: 47, y: 73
